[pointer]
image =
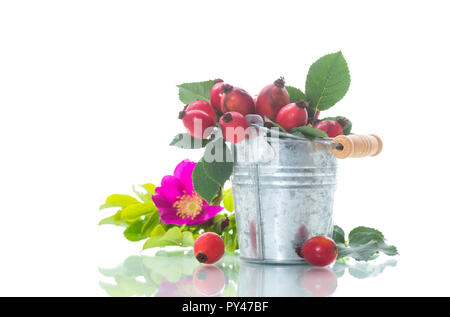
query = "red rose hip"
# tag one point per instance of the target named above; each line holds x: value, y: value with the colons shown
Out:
x: 293, y: 115
x: 319, y: 251
x: 202, y: 106
x: 216, y: 94
x: 330, y: 127
x: 197, y: 123
x: 234, y: 127
x: 237, y: 100
x: 271, y: 99
x: 209, y: 248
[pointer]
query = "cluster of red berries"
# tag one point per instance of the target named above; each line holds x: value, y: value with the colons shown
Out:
x: 229, y: 106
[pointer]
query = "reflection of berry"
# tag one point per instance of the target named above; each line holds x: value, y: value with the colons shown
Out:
x: 209, y: 248
x: 319, y: 251
x: 320, y: 281
x: 209, y: 280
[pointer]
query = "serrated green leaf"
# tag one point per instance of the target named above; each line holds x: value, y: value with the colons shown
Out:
x: 309, y: 132
x: 347, y: 129
x: 132, y: 212
x: 117, y: 200
x: 187, y: 239
x: 328, y: 81
x: 203, y: 184
x: 189, y: 92
x: 295, y: 94
x: 360, y: 253
x: 338, y: 235
x: 364, y: 243
x: 362, y: 235
x: 133, y: 232
x: 161, y: 238
x: 149, y: 191
x: 114, y: 220
x: 186, y: 141
x: 215, y: 161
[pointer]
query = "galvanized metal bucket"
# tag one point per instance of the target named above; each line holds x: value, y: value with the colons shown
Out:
x: 283, y: 191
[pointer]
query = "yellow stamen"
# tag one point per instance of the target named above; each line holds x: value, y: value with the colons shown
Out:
x: 188, y: 206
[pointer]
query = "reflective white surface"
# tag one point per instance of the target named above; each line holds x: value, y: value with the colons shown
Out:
x: 178, y: 274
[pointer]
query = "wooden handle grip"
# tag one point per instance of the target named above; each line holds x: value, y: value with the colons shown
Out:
x: 357, y: 145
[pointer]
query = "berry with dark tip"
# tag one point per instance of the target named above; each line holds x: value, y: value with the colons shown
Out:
x: 236, y: 99
x: 293, y: 115
x: 209, y: 248
x: 271, y: 99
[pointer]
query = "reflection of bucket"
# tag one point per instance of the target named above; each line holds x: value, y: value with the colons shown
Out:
x: 285, y: 281
x: 283, y: 200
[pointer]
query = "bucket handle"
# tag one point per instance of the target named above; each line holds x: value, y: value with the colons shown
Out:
x: 357, y: 145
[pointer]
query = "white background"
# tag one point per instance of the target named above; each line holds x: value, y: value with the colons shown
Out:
x: 88, y: 105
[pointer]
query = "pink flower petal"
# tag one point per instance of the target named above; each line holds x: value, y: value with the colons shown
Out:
x: 183, y: 172
x: 168, y: 216
x: 171, y: 188
x: 161, y: 202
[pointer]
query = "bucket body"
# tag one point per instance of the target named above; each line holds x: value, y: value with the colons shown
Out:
x: 282, y: 196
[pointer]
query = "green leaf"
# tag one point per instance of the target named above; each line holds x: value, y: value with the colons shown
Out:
x: 150, y: 223
x: 190, y: 92
x: 186, y: 141
x: 149, y: 191
x: 215, y: 161
x: 230, y: 240
x: 295, y: 94
x: 309, y: 132
x: 364, y: 243
x: 132, y: 212
x: 161, y: 238
x: 228, y: 200
x: 328, y: 81
x: 359, y: 253
x: 297, y: 132
x: 203, y: 184
x: 133, y: 232
x: 117, y: 200
x: 114, y: 220
x: 230, y: 235
x: 338, y: 235
x: 187, y: 239
x: 363, y: 235
x: 267, y: 119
